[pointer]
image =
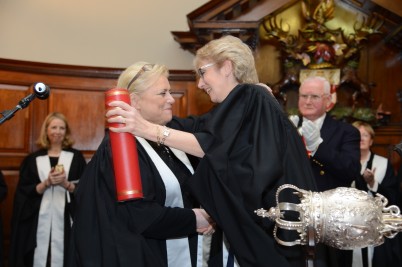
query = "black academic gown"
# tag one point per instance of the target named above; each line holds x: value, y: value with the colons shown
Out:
x: 27, y: 201
x: 124, y: 234
x: 251, y: 148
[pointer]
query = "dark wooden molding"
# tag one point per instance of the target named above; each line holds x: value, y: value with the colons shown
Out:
x: 79, y: 71
x: 58, y: 69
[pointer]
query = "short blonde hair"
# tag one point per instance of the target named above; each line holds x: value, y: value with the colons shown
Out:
x: 43, y: 140
x: 366, y: 126
x: 140, y: 76
x: 233, y: 49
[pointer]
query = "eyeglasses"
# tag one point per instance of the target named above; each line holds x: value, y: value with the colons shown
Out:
x: 144, y: 68
x: 201, y: 70
x: 313, y: 98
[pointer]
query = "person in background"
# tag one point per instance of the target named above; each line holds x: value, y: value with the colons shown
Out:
x: 41, y: 219
x: 163, y: 227
x: 333, y: 146
x: 377, y: 176
x: 3, y: 194
x: 248, y: 149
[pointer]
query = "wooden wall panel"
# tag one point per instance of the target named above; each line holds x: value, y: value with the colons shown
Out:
x: 384, y: 141
x: 13, y: 131
x: 86, y: 113
x: 180, y: 95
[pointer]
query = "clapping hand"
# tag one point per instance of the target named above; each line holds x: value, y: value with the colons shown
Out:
x: 311, y: 134
x: 368, y: 176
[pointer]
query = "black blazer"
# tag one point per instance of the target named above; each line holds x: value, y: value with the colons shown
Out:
x: 336, y: 162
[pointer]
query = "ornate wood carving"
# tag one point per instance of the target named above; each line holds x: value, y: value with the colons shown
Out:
x: 242, y: 18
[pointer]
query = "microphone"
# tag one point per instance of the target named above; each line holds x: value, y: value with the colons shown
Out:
x: 41, y: 91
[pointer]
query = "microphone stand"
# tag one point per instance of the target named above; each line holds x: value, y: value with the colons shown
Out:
x: 8, y: 114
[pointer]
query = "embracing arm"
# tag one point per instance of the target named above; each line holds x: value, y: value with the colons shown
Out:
x: 138, y: 126
x: 180, y: 140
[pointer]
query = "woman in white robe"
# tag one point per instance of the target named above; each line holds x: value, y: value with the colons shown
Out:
x: 41, y: 219
x: 377, y: 176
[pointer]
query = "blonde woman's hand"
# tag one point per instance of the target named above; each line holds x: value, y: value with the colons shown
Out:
x: 265, y: 86
x: 57, y: 177
x: 368, y: 176
x: 129, y: 117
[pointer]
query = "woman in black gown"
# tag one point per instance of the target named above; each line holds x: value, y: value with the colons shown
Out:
x: 41, y: 219
x: 162, y: 229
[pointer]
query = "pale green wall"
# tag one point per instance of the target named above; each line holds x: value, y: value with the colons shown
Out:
x: 104, y: 33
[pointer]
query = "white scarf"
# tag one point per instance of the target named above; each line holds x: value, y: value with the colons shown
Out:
x: 51, y: 214
x: 178, y: 251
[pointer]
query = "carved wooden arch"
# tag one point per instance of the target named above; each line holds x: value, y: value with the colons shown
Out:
x: 240, y: 18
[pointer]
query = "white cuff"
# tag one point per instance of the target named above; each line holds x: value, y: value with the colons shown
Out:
x: 314, y: 146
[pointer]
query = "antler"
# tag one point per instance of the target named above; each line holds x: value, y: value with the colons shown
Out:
x: 280, y: 31
x: 368, y: 27
x: 274, y: 29
x: 319, y: 10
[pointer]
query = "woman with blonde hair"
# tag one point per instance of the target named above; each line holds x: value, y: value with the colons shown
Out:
x: 164, y: 227
x: 41, y: 220
x: 377, y: 176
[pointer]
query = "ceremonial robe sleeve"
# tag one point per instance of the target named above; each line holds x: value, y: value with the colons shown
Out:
x: 389, y: 185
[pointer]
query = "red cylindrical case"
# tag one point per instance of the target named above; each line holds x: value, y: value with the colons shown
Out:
x: 125, y: 155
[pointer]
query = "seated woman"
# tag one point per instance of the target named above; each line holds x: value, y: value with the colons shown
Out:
x: 377, y: 176
x: 158, y: 230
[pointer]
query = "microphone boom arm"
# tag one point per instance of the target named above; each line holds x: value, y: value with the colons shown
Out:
x: 8, y: 114
x: 41, y: 91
